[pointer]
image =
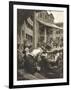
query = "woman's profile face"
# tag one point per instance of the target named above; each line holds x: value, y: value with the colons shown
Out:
x: 26, y: 49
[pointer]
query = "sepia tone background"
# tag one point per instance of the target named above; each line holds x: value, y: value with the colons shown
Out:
x: 40, y: 28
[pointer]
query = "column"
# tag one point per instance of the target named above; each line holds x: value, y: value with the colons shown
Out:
x: 35, y: 31
x: 23, y: 29
x: 54, y: 37
x: 54, y: 34
x: 45, y: 35
x: 21, y: 34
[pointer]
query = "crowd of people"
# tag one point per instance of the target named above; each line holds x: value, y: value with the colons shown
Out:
x: 39, y: 63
